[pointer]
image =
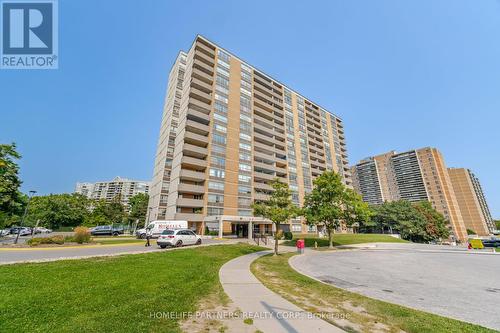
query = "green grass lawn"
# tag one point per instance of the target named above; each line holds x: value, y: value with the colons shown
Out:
x: 114, y: 294
x: 363, y: 314
x: 344, y: 239
x: 497, y: 249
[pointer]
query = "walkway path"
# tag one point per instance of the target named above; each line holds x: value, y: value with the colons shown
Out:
x: 271, y: 313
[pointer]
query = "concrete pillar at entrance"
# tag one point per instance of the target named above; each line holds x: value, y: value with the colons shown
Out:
x: 221, y: 226
x: 250, y: 230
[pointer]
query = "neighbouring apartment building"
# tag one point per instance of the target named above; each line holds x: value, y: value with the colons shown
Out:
x: 228, y: 130
x: 415, y: 175
x: 472, y: 202
x: 108, y: 190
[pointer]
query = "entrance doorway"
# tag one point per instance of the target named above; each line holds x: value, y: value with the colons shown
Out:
x: 240, y: 230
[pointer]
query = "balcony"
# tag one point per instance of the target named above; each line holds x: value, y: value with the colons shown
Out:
x: 198, y: 117
x: 194, y: 151
x: 200, y: 95
x: 262, y: 186
x: 264, y: 176
x: 198, y: 64
x: 209, y: 60
x: 195, y: 139
x: 191, y: 217
x: 200, y: 75
x: 201, y: 46
x: 194, y: 163
x: 196, y: 127
x: 261, y: 196
x: 192, y: 175
x: 187, y: 202
x: 190, y: 188
x: 201, y: 85
x: 199, y: 106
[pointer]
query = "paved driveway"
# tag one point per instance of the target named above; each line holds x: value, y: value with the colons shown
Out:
x: 446, y: 281
x: 50, y: 254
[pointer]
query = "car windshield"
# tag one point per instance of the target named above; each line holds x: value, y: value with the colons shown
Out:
x: 167, y: 232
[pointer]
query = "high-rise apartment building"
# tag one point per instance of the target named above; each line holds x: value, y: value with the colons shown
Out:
x: 415, y: 175
x: 236, y: 130
x: 472, y: 202
x: 108, y: 190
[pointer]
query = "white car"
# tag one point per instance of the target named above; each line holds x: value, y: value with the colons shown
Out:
x: 42, y: 230
x: 178, y: 237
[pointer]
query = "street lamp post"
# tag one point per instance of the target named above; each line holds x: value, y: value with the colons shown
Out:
x: 147, y: 217
x: 31, y: 193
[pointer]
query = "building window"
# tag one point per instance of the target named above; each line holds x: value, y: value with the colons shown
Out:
x: 215, y: 198
x: 211, y: 211
x: 244, y: 178
x: 217, y: 173
x: 220, y: 118
x: 244, y: 212
x: 245, y: 167
x: 216, y: 186
x: 219, y: 139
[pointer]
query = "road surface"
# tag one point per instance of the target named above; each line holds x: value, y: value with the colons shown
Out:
x: 447, y: 281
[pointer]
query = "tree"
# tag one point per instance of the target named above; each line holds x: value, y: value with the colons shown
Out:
x: 331, y: 202
x: 418, y: 222
x: 497, y: 224
x: 12, y: 200
x: 58, y: 210
x: 103, y: 212
x: 138, y: 207
x: 436, y: 227
x: 279, y: 208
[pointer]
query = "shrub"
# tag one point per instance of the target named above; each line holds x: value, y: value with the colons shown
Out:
x: 45, y: 240
x: 288, y: 235
x: 471, y: 232
x: 82, y: 235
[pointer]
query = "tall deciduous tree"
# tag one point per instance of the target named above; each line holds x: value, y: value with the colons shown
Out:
x: 331, y: 202
x: 58, y: 210
x: 138, y: 207
x: 11, y: 199
x: 279, y: 208
x: 418, y: 222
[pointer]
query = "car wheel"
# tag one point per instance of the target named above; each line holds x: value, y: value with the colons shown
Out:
x: 178, y: 244
x: 142, y: 236
x: 115, y: 233
x: 198, y: 242
x: 163, y: 246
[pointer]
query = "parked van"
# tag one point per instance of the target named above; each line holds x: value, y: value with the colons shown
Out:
x: 155, y: 228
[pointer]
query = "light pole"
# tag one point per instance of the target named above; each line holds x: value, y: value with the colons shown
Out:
x: 147, y: 217
x: 31, y: 193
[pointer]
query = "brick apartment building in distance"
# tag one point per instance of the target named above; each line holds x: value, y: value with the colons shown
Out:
x: 472, y: 202
x: 108, y: 190
x: 415, y: 175
x: 227, y: 131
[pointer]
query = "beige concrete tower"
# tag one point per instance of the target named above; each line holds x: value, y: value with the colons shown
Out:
x: 415, y: 175
x: 238, y: 129
x: 471, y: 201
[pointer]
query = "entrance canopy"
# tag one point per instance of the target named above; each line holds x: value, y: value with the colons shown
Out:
x: 217, y: 222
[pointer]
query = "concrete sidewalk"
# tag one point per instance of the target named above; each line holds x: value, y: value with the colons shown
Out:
x: 270, y: 312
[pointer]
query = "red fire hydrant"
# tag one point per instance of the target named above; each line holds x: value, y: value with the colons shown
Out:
x: 300, y: 246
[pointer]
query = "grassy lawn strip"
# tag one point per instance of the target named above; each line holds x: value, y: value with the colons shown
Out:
x: 350, y: 311
x: 345, y: 239
x: 115, y: 294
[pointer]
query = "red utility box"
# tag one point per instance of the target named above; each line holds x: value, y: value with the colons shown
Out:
x: 300, y: 245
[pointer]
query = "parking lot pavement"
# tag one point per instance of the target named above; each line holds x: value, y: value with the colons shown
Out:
x: 448, y: 281
x: 10, y: 255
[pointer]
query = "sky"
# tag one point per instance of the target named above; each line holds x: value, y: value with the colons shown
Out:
x: 401, y: 74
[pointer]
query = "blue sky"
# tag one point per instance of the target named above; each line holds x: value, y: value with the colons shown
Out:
x: 401, y: 74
